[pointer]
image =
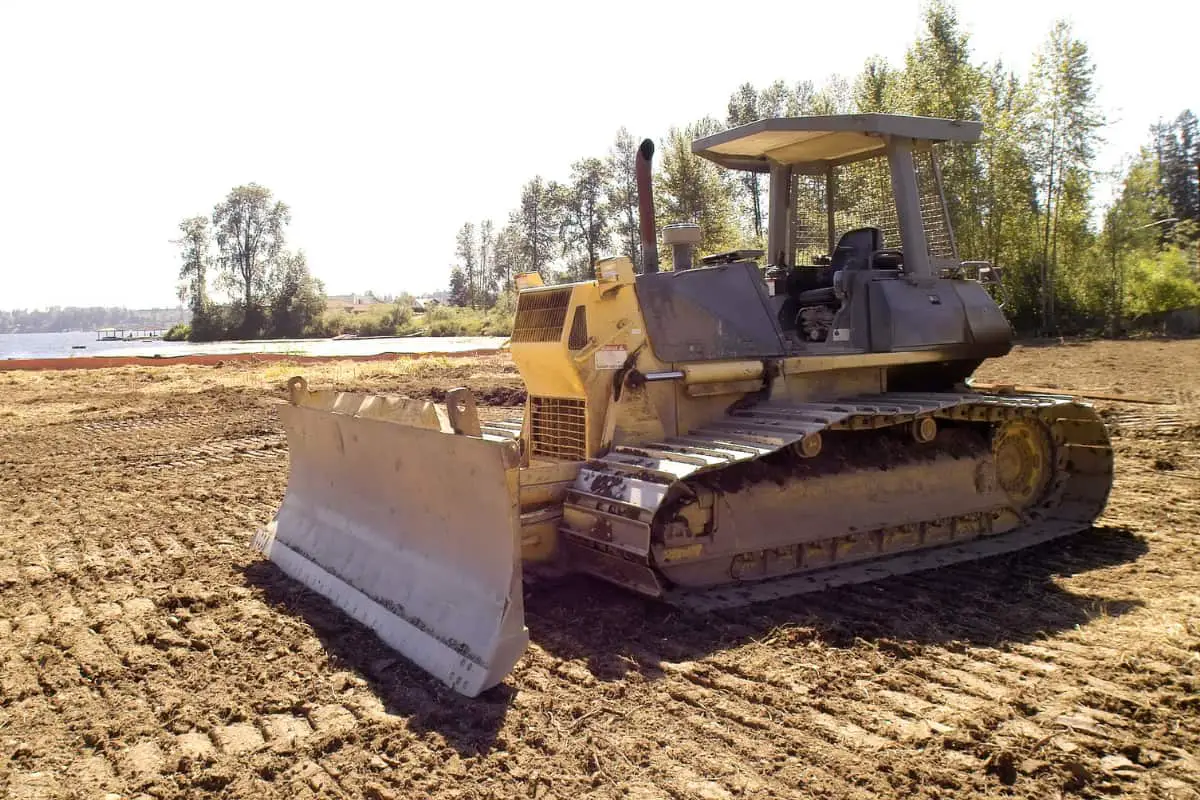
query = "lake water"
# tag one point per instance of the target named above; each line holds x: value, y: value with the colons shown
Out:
x: 83, y: 344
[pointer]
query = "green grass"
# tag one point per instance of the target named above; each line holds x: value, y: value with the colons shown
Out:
x: 402, y: 321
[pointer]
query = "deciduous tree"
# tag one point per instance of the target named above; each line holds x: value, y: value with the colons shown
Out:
x: 1065, y: 133
x: 297, y: 299
x: 249, y: 225
x: 621, y: 192
x: 585, y: 216
x: 195, y: 245
x: 743, y: 108
x: 537, y: 222
x: 467, y: 253
x: 692, y: 189
x: 459, y: 295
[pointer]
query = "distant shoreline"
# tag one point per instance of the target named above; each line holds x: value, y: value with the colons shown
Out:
x: 217, y: 359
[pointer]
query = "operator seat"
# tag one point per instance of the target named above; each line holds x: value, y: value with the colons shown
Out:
x: 853, y: 252
x: 855, y: 247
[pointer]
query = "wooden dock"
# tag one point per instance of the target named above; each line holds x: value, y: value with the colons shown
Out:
x: 129, y: 334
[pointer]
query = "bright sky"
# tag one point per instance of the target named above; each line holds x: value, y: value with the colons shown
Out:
x: 387, y: 125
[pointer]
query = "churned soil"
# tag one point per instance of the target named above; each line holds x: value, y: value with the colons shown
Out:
x: 146, y: 650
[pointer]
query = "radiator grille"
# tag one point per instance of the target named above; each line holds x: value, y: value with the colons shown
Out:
x: 540, y: 315
x: 559, y: 428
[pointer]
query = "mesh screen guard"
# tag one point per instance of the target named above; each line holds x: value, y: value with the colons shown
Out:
x: 862, y: 197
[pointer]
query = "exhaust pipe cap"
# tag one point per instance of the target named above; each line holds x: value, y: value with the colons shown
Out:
x: 681, y: 233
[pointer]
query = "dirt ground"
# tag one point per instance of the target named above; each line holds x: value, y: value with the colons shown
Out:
x: 145, y: 650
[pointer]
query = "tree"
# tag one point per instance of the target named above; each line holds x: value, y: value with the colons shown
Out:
x: 195, y: 244
x: 507, y: 260
x: 585, y: 216
x: 1178, y: 148
x: 1005, y: 191
x: 875, y: 88
x: 467, y: 257
x: 297, y: 299
x: 1132, y: 231
x: 775, y: 100
x: 939, y: 80
x: 536, y: 222
x: 1161, y: 280
x: 622, y: 196
x: 833, y: 98
x: 1065, y: 134
x: 743, y: 109
x: 692, y: 189
x: 485, y: 285
x: 249, y: 228
x: 459, y: 295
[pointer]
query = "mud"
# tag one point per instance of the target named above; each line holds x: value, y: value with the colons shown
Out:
x: 845, y: 451
x: 145, y: 650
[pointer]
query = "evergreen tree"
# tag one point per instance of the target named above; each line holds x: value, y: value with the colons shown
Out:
x: 1006, y: 195
x: 776, y: 101
x: 1178, y: 149
x: 835, y: 97
x: 799, y: 101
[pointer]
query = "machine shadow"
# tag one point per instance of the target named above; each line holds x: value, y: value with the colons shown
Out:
x: 469, y: 725
x: 1004, y: 599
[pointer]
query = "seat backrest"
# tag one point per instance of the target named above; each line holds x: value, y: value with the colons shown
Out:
x: 855, y: 247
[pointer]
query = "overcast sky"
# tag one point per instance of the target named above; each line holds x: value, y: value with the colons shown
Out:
x: 385, y: 126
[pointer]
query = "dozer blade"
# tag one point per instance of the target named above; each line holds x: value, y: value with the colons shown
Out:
x: 410, y: 528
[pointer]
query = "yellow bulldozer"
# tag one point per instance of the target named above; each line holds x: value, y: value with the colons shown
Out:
x: 742, y: 427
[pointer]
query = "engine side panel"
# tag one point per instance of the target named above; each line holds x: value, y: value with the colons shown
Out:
x: 709, y: 313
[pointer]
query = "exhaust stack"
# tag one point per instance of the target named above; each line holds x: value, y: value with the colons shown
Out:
x: 646, y: 207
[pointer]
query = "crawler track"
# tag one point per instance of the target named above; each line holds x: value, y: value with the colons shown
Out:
x: 625, y: 495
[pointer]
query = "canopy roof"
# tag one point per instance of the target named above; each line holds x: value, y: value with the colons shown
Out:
x: 823, y: 140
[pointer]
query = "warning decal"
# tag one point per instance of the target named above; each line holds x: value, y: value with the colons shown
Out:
x: 611, y: 356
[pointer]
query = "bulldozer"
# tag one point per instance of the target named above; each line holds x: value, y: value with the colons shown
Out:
x: 742, y: 427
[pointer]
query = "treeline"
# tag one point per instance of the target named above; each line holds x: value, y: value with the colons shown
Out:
x: 557, y: 229
x: 1022, y: 198
x: 399, y: 318
x: 242, y: 250
x: 74, y: 318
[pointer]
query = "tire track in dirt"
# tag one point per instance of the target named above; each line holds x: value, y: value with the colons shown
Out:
x: 961, y: 692
x: 217, y: 443
x: 699, y: 728
x: 144, y: 650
